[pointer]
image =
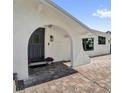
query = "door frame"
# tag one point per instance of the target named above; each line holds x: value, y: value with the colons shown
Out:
x: 30, y: 42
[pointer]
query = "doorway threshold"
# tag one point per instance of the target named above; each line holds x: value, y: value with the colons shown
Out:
x: 37, y: 63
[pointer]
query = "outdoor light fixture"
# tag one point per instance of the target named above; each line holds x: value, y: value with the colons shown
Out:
x: 66, y: 36
x: 51, y: 38
x: 50, y: 26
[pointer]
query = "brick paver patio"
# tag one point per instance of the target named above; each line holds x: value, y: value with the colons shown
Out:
x: 92, y: 78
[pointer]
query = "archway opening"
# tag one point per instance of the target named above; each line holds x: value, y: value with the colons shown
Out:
x: 55, y: 43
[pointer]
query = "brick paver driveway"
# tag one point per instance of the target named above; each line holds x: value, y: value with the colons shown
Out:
x: 92, y: 78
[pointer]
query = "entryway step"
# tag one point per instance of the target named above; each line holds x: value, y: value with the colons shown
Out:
x: 37, y: 63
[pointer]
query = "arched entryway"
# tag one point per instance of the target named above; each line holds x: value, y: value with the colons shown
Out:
x: 36, y: 46
x: 50, y: 41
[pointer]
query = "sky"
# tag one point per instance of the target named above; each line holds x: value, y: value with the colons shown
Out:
x: 96, y: 14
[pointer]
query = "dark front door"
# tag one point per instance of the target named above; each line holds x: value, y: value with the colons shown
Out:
x: 36, y: 46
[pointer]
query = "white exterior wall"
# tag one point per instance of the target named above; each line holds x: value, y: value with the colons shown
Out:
x: 60, y: 48
x: 98, y: 49
x: 32, y: 14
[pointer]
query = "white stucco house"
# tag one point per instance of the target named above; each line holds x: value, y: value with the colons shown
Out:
x: 96, y: 43
x: 43, y: 29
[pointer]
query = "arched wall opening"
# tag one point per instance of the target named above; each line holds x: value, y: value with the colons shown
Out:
x: 49, y: 41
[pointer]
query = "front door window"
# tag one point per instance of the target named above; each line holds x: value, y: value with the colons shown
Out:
x: 36, y: 38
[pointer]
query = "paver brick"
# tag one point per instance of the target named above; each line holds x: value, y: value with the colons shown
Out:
x: 91, y: 78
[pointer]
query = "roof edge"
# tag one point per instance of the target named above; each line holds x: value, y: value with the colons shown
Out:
x: 67, y: 13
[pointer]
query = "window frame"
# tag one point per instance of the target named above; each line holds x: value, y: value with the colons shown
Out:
x: 84, y: 40
x: 100, y: 41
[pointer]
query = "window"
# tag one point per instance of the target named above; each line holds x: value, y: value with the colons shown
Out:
x: 88, y: 44
x: 36, y: 38
x: 101, y: 40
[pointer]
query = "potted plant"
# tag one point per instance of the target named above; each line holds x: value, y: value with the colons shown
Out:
x: 49, y: 60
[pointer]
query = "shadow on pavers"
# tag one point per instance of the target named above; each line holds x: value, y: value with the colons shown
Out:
x: 44, y: 73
